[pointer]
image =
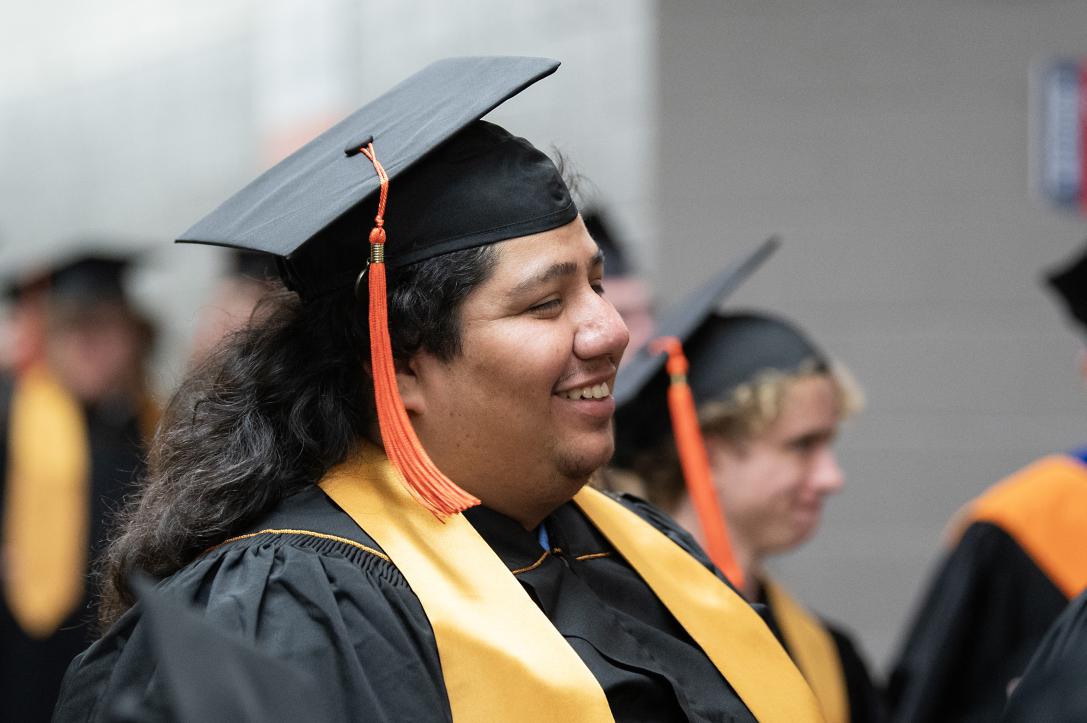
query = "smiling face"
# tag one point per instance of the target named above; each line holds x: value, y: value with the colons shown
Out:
x: 772, y: 485
x: 523, y: 415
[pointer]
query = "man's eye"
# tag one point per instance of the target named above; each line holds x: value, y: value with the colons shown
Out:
x: 550, y: 305
x: 598, y: 287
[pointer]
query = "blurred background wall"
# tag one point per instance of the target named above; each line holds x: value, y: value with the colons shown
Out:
x: 887, y: 142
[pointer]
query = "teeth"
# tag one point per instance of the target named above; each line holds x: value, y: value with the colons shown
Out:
x: 599, y: 391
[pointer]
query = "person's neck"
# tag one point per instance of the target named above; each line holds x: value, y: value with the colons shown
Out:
x: 750, y: 562
x: 529, y: 513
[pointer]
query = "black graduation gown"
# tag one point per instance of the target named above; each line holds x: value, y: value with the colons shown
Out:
x: 865, y: 702
x: 1054, y: 686
x: 985, y: 613
x: 31, y: 669
x: 348, y: 617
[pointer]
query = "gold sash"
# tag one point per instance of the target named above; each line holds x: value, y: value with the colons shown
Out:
x: 46, y: 513
x: 814, y: 650
x: 499, y: 652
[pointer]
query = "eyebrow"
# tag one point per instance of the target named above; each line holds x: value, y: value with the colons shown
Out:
x: 563, y: 268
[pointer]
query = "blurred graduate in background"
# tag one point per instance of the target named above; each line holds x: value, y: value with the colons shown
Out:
x: 235, y: 299
x: 768, y: 404
x: 74, y: 414
x: 1016, y: 557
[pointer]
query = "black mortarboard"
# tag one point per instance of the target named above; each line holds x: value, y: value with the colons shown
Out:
x: 724, y: 351
x: 683, y: 318
x: 90, y: 278
x: 1070, y: 282
x: 314, y: 209
x: 207, y: 674
x: 616, y: 262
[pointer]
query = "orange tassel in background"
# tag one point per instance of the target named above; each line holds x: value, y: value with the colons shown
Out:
x: 695, y: 462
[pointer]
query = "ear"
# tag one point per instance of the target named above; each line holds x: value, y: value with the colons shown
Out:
x: 411, y: 384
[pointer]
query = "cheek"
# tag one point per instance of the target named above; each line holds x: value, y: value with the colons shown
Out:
x: 528, y: 356
x: 763, y: 487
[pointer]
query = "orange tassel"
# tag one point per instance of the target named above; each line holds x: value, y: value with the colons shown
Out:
x: 695, y: 462
x: 430, y: 487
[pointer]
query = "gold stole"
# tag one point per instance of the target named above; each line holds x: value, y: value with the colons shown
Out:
x: 814, y: 650
x: 499, y: 652
x: 46, y: 512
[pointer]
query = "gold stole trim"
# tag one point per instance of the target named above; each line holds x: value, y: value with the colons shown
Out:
x: 727, y: 629
x: 47, y: 510
x: 814, y: 650
x: 1044, y: 507
x: 501, y: 657
x: 499, y: 652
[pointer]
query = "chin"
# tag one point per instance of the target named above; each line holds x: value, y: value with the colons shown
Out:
x: 581, y: 463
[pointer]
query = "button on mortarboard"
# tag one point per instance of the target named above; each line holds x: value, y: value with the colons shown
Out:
x: 314, y: 208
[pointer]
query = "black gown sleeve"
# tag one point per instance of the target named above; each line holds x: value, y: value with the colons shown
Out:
x: 343, y: 615
x: 983, y: 616
x: 1052, y: 688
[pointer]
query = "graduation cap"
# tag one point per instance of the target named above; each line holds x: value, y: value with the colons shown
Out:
x: 82, y: 278
x: 724, y: 352
x: 207, y: 674
x: 1070, y: 283
x: 90, y: 278
x: 418, y: 166
x: 682, y: 319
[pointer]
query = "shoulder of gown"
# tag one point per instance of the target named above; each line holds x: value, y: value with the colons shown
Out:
x: 982, y: 616
x: 328, y: 603
x: 664, y: 524
x: 1051, y: 688
x: 306, y: 586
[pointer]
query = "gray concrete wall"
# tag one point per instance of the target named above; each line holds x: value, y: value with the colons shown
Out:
x: 888, y: 143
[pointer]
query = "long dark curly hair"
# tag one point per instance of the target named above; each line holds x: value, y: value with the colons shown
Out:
x: 270, y: 412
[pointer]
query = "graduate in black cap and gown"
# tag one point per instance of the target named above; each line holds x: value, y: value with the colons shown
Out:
x: 383, y: 482
x: 767, y: 404
x: 72, y: 425
x: 1017, y: 556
